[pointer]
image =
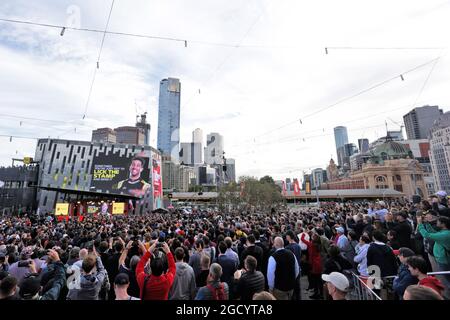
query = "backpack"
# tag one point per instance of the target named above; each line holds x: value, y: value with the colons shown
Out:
x: 217, y: 293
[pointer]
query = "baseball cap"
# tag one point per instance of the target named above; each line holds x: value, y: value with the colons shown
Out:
x: 441, y: 193
x: 29, y: 287
x: 340, y: 229
x: 121, y: 279
x: 337, y: 279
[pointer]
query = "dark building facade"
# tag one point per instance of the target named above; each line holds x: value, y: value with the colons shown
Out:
x: 96, y: 168
x: 17, y: 188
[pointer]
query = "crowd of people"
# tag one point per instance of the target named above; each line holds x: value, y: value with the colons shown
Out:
x: 245, y: 255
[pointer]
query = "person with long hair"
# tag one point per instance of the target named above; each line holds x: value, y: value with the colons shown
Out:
x: 315, y: 261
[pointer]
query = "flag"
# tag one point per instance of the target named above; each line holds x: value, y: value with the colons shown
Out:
x: 296, y: 187
x: 284, y: 188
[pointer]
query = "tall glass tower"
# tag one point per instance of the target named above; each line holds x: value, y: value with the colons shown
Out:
x: 169, y: 117
x: 341, y: 139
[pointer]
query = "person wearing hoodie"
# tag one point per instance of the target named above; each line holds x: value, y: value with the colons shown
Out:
x: 404, y: 278
x: 418, y: 268
x: 92, y: 276
x: 381, y: 255
x: 183, y: 287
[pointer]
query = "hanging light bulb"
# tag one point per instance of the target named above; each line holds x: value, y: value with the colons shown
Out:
x: 63, y: 31
x: 301, y: 121
x: 98, y: 65
x: 185, y: 43
x: 326, y: 50
x: 10, y: 139
x: 401, y: 77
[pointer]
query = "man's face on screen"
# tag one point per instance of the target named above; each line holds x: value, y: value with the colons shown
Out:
x: 135, y: 169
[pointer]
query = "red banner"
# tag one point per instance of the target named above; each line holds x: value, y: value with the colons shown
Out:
x: 284, y: 188
x: 296, y: 187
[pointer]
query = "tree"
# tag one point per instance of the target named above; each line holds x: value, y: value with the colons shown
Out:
x: 267, y: 179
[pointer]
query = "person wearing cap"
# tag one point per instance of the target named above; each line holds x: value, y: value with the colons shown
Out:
x: 121, y: 284
x: 337, y: 285
x: 440, y: 203
x: 404, y: 277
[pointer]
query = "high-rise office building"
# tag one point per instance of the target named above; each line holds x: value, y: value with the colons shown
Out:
x: 318, y: 177
x: 214, y: 149
x: 440, y: 152
x: 363, y: 145
x: 142, y: 124
x: 130, y: 135
x: 190, y: 153
x: 104, y: 135
x: 340, y: 138
x: 230, y: 173
x: 419, y: 121
x: 197, y: 137
x: 169, y: 117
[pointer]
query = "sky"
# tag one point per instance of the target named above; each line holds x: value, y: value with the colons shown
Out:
x: 250, y: 71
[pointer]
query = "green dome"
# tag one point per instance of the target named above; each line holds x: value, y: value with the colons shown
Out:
x: 391, y: 150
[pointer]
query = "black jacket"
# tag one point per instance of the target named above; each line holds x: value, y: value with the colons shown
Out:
x: 249, y: 284
x: 403, y: 230
x: 383, y: 257
x: 255, y: 252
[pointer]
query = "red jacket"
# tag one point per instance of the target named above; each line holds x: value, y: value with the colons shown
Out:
x: 314, y: 257
x: 157, y: 287
x: 433, y: 283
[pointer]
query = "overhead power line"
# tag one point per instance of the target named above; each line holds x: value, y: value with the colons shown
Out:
x: 98, y: 61
x: 349, y: 97
x: 201, y: 42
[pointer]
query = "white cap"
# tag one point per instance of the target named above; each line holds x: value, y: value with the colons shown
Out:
x: 441, y: 193
x: 337, y: 279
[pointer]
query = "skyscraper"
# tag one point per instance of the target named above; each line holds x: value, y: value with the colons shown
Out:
x: 419, y: 121
x: 440, y: 152
x: 341, y: 138
x: 197, y: 137
x: 169, y: 117
x: 214, y: 149
x: 363, y: 145
x: 142, y: 123
x: 190, y: 153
